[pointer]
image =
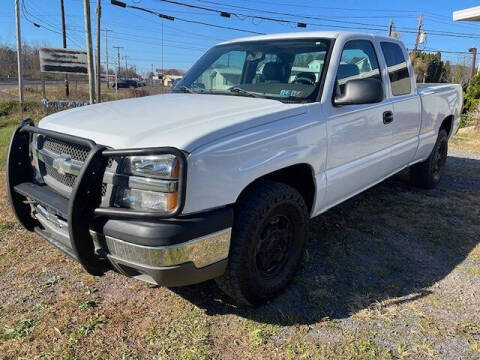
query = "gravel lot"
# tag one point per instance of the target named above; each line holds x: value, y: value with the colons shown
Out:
x: 391, y: 273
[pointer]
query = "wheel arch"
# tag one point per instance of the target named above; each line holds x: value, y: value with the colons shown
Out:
x: 300, y: 176
x: 447, y: 125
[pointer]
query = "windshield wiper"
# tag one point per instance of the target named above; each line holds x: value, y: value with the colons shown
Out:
x: 184, y: 89
x: 239, y: 90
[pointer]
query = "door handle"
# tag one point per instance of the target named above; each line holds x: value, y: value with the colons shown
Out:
x: 387, y: 117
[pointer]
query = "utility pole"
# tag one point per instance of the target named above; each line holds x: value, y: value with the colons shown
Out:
x: 163, y: 70
x: 64, y: 39
x: 99, y: 72
x: 88, y: 36
x: 417, y: 40
x: 390, y: 28
x: 118, y: 69
x: 153, y: 74
x: 473, y: 50
x: 126, y: 67
x: 106, y: 54
x: 19, y: 60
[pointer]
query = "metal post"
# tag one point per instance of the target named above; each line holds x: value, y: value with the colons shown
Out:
x: 473, y: 50
x: 64, y: 39
x: 99, y: 72
x: 106, y: 55
x: 126, y: 67
x: 88, y: 35
x: 44, y: 95
x: 118, y: 68
x: 163, y: 70
x: 19, y: 60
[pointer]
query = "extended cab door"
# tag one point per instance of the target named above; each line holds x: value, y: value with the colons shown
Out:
x: 406, y: 105
x: 358, y: 135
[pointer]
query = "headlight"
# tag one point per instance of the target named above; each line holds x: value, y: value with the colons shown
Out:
x: 157, y: 166
x: 149, y: 183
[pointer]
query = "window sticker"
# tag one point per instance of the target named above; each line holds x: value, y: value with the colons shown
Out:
x: 291, y: 93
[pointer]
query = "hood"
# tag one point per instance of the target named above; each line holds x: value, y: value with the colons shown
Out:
x: 184, y: 121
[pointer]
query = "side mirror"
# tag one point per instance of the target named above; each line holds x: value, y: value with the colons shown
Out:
x: 360, y: 91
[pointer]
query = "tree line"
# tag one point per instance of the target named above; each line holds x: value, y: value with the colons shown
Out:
x: 8, y: 61
x: 430, y: 68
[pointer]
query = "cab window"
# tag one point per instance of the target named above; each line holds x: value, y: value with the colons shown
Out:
x: 397, y: 68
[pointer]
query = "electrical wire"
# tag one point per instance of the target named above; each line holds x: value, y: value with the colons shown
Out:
x: 42, y: 23
x: 365, y: 26
x: 171, y: 18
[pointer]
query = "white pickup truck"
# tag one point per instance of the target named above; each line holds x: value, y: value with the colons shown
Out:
x: 219, y: 179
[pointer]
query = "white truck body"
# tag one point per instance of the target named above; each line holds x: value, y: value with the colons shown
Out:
x: 218, y: 179
x: 232, y: 141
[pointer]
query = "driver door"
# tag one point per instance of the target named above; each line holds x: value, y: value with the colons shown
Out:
x: 358, y: 138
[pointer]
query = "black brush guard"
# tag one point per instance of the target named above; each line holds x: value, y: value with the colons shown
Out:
x: 83, y: 205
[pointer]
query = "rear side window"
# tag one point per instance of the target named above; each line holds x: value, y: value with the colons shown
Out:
x: 397, y: 68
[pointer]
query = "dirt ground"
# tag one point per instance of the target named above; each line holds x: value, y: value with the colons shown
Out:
x: 391, y: 273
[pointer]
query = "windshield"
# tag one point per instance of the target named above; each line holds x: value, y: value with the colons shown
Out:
x: 289, y: 70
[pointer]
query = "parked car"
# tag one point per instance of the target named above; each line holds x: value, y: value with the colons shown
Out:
x: 127, y: 84
x: 219, y: 179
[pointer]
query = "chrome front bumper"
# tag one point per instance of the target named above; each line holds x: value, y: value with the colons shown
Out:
x: 145, y: 262
x: 202, y: 251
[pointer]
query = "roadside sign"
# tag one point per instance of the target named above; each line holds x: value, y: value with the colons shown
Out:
x: 63, y: 61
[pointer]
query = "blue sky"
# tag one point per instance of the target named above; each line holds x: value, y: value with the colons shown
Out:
x: 140, y: 34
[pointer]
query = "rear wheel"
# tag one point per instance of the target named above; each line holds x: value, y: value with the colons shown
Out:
x: 268, y: 241
x: 428, y: 173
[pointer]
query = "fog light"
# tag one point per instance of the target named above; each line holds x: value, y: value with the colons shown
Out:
x: 146, y: 200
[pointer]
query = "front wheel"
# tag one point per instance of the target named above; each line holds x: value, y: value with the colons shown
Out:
x: 268, y: 242
x: 427, y: 174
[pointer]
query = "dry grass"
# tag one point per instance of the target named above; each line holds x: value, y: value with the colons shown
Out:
x: 79, y: 92
x: 391, y: 273
x: 467, y: 139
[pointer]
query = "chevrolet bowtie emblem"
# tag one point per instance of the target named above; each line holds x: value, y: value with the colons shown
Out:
x: 63, y: 164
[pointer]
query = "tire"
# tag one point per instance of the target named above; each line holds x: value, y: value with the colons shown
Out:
x: 268, y: 242
x: 428, y: 173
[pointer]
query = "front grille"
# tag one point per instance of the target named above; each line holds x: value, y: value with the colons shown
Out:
x: 75, y: 151
x: 66, y: 179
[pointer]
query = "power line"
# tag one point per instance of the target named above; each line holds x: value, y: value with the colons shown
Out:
x: 171, y: 18
x: 139, y: 39
x: 331, y: 8
x: 365, y: 26
x: 176, y: 29
x: 27, y: 14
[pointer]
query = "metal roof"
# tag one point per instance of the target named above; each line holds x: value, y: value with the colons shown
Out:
x: 471, y: 14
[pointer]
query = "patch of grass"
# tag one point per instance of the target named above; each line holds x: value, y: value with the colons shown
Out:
x: 471, y: 332
x: 9, y: 119
x: 474, y: 270
x: 92, y: 324
x: 187, y: 338
x: 19, y: 329
x: 5, y: 226
x: 87, y: 304
x: 5, y: 135
x: 466, y: 140
x: 53, y: 280
x: 360, y: 349
x: 261, y: 333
